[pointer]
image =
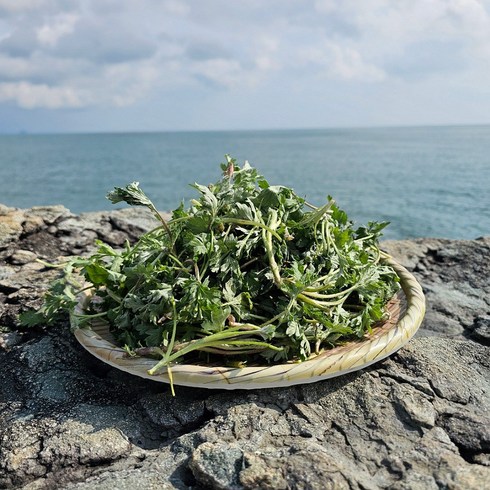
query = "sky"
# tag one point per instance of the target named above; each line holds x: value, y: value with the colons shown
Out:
x: 164, y: 65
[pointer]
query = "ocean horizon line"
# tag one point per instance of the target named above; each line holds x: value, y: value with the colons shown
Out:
x: 249, y: 130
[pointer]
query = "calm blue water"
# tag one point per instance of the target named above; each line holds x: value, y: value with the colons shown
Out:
x: 427, y: 181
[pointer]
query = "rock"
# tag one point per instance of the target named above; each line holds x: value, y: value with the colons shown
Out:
x: 32, y: 224
x: 48, y: 214
x: 415, y: 405
x: 470, y: 431
x: 173, y: 414
x: 217, y: 465
x: 417, y: 420
x: 123, y: 479
x: 10, y: 225
x: 72, y: 444
x: 480, y: 330
x: 454, y: 275
x: 9, y: 340
x: 21, y: 257
x: 303, y: 466
x: 134, y: 221
x: 42, y: 244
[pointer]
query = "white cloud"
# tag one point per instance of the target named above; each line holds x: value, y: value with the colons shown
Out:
x: 267, y: 48
x: 50, y: 33
x: 224, y: 72
x: 388, y: 26
x: 43, y: 69
x: 347, y: 63
x: 341, y: 62
x: 221, y: 65
x: 176, y: 7
x: 122, y: 86
x: 116, y: 85
x: 30, y: 96
x: 15, y: 6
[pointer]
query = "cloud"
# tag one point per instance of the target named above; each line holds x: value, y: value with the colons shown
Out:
x: 388, y: 30
x: 217, y: 65
x: 94, y: 41
x: 123, y: 87
x: 423, y: 59
x: 341, y: 62
x: 103, y: 53
x: 71, y: 37
x: 16, y: 6
x: 204, y: 50
x: 219, y: 71
x: 30, y: 96
x: 44, y: 69
x: 64, y: 59
x: 60, y: 25
x: 19, y: 43
x: 175, y: 7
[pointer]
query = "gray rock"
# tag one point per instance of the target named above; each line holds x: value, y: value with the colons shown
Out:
x: 8, y: 340
x: 454, y: 274
x: 21, y: 257
x: 470, y: 431
x: 124, y: 479
x: 10, y: 225
x: 173, y: 413
x: 49, y: 214
x: 134, y: 221
x: 305, y: 466
x: 78, y: 444
x: 417, y: 406
x: 480, y: 330
x: 217, y: 465
x: 417, y: 420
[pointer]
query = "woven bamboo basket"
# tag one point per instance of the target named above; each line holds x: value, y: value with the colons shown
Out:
x: 406, y: 311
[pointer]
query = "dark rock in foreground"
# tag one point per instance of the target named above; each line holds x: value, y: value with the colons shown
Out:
x: 419, y: 420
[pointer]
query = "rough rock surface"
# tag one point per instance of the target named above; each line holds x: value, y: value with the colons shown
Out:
x: 418, y: 420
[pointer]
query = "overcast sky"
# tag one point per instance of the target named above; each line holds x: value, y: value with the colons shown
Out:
x: 122, y: 65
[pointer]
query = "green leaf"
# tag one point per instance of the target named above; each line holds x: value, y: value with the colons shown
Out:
x: 199, y: 244
x: 217, y: 321
x: 96, y: 273
x: 208, y: 198
x: 198, y: 224
x: 32, y: 318
x: 131, y: 194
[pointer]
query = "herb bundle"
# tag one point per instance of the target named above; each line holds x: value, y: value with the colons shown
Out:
x: 250, y: 273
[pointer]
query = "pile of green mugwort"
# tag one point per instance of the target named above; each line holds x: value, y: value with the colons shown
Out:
x: 249, y: 274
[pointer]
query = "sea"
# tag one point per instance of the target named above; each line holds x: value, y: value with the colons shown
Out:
x: 426, y: 181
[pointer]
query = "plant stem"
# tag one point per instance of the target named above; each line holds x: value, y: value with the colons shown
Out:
x: 251, y: 223
x: 213, y: 340
x: 267, y: 238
